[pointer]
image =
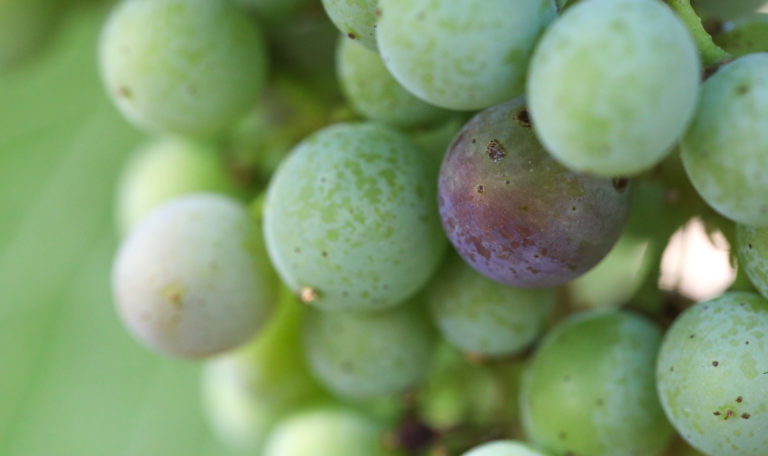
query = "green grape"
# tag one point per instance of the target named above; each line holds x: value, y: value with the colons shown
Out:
x: 745, y: 35
x: 351, y: 221
x: 182, y: 66
x: 712, y: 372
x: 725, y: 9
x: 192, y: 279
x: 752, y: 247
x: 164, y: 169
x: 356, y: 19
x: 327, y: 432
x: 375, y: 94
x: 361, y: 355
x: 724, y: 150
x: 25, y: 27
x: 480, y: 316
x: 461, y: 54
x: 590, y: 388
x: 504, y: 448
x: 247, y: 391
x: 613, y: 85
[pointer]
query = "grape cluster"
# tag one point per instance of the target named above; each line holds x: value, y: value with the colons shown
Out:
x: 436, y: 227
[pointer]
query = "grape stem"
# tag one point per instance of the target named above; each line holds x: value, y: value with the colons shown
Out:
x: 711, y: 53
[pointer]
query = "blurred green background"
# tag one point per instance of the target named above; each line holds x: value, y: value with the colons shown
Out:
x: 72, y: 381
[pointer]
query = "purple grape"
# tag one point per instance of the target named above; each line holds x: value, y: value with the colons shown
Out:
x: 514, y: 213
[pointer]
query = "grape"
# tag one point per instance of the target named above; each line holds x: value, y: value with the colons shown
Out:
x: 164, y: 169
x: 752, y: 246
x: 192, y: 279
x: 247, y: 391
x: 612, y: 85
x: 590, y: 388
x: 25, y: 27
x: 375, y: 94
x: 483, y: 317
x: 350, y: 221
x: 726, y: 9
x: 330, y: 431
x: 515, y: 214
x: 724, y: 150
x: 461, y: 54
x: 356, y: 19
x: 712, y: 372
x: 504, y: 448
x: 362, y: 355
x: 182, y: 66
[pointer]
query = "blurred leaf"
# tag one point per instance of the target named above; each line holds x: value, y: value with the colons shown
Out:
x: 72, y: 381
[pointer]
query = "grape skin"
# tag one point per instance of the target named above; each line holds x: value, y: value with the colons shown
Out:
x: 192, y: 279
x: 461, y: 54
x: 375, y: 94
x: 711, y: 375
x: 350, y: 215
x: 356, y: 19
x: 182, y: 66
x: 590, y: 388
x: 724, y: 150
x: 164, y: 169
x: 359, y: 355
x: 482, y: 317
x: 504, y: 448
x: 752, y: 247
x: 514, y: 213
x: 596, y: 109
x: 327, y: 432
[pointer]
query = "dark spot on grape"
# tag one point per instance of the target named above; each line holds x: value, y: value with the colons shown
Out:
x: 377, y: 12
x: 745, y: 416
x: 495, y: 150
x: 600, y: 402
x: 325, y: 254
x: 524, y: 208
x: 728, y: 414
x: 125, y: 92
x: 749, y: 245
x: 420, y: 16
x: 561, y: 436
x: 506, y: 182
x: 672, y: 369
x: 717, y: 413
x: 620, y: 184
x: 297, y: 250
x: 480, y: 189
x: 344, y: 293
x: 691, y: 336
x: 739, y: 399
x: 715, y: 363
x: 746, y: 343
x: 742, y: 89
x: 322, y: 179
x: 347, y: 367
x: 351, y: 36
x: 474, y: 140
x: 573, y: 208
x: 523, y: 118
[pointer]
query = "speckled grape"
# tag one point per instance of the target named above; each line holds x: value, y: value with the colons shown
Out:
x: 596, y: 109
x: 504, y: 448
x: 713, y: 375
x: 752, y: 247
x: 375, y: 94
x: 362, y: 355
x: 192, y: 279
x: 331, y: 432
x: 25, y: 27
x: 590, y: 388
x: 182, y: 66
x: 164, y: 169
x: 483, y: 317
x: 248, y: 391
x: 514, y: 213
x: 461, y: 54
x: 724, y: 150
x: 356, y: 19
x: 350, y: 218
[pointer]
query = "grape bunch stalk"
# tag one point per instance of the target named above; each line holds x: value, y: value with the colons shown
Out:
x: 438, y: 227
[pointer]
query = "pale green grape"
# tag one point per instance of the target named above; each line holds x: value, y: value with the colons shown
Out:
x: 192, y: 279
x: 351, y: 220
x: 327, y: 432
x: 356, y: 19
x: 752, y: 247
x: 362, y: 355
x: 504, y: 448
x: 375, y: 94
x: 182, y: 66
x: 164, y: 169
x: 724, y: 150
x: 247, y: 391
x: 25, y: 27
x: 480, y: 316
x: 590, y: 388
x: 461, y: 54
x: 612, y: 85
x: 712, y: 375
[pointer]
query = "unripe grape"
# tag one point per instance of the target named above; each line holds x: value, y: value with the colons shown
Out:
x: 504, y: 448
x: 356, y: 19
